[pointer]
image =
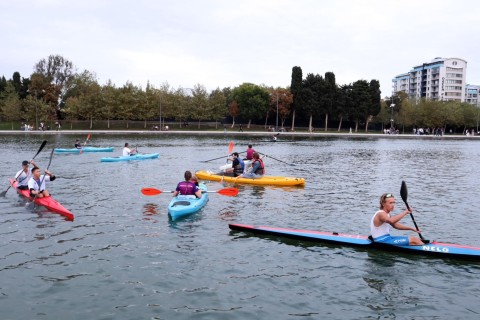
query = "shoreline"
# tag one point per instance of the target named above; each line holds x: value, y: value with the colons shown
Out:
x: 237, y: 133
x: 245, y: 133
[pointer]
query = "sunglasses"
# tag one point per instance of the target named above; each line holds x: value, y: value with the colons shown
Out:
x: 389, y: 195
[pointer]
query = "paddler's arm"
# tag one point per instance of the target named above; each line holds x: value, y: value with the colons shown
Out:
x: 52, y: 176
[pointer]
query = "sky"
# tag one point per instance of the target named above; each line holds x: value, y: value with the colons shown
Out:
x: 219, y: 44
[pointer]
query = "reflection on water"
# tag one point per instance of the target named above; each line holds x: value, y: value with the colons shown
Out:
x: 123, y: 257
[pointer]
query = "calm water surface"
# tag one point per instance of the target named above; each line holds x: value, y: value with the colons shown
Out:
x: 123, y: 259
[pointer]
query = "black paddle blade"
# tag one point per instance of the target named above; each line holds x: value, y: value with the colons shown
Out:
x: 4, y: 193
x: 41, y: 148
x: 404, y: 192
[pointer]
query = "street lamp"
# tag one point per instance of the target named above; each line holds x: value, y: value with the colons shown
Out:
x: 276, y: 123
x: 160, y: 112
x: 391, y: 120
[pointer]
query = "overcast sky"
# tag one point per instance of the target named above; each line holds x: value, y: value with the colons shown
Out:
x: 226, y: 43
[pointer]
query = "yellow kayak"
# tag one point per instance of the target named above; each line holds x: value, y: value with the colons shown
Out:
x: 265, y: 180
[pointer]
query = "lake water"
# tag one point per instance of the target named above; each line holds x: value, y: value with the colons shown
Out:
x: 122, y: 258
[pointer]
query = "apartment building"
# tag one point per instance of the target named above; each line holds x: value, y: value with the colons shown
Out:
x: 441, y: 79
x: 471, y: 94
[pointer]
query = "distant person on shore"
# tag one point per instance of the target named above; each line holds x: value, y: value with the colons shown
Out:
x: 24, y: 175
x: 382, y: 220
x: 257, y: 170
x: 250, y: 152
x: 36, y: 184
x: 187, y: 187
x: 127, y: 151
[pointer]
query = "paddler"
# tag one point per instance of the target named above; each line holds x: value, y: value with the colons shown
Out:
x: 237, y: 165
x: 250, y: 152
x: 127, y: 151
x: 257, y: 170
x: 77, y: 144
x: 36, y: 184
x: 187, y: 187
x: 24, y: 175
x: 382, y: 220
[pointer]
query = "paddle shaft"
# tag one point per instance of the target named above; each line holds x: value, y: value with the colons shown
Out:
x: 36, y: 154
x: 290, y: 164
x: 85, y: 143
x: 404, y: 195
x: 413, y: 219
x: 41, y: 182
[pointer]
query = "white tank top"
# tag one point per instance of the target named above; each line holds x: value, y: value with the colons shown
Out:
x: 382, y: 230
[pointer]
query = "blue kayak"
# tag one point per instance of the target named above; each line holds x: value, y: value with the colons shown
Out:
x: 434, y: 248
x: 140, y: 156
x: 84, y: 149
x: 181, y: 205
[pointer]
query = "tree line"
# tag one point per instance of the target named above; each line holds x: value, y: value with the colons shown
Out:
x: 56, y: 91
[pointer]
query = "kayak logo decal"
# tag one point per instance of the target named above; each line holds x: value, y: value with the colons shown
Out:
x: 435, y: 249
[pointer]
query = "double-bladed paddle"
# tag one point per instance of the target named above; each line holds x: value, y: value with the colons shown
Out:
x: 3, y: 194
x: 230, y: 149
x: 85, y: 143
x: 230, y: 192
x: 268, y: 156
x: 404, y: 195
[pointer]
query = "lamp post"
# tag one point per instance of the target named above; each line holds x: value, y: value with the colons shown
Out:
x: 391, y: 119
x: 160, y: 112
x: 276, y: 123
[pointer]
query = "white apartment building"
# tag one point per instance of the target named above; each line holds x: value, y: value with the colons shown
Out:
x: 441, y: 79
x: 471, y: 94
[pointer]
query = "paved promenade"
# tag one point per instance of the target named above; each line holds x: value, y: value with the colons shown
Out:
x: 239, y: 134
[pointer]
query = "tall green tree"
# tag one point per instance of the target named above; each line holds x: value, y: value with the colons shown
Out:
x: 361, y: 101
x: 344, y: 104
x: 330, y: 95
x: 375, y: 102
x: 252, y: 101
x: 201, y: 109
x: 295, y: 89
x: 10, y: 104
x: 217, y: 101
x: 311, y: 97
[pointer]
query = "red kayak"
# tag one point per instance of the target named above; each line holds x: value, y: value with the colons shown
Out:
x: 48, y: 202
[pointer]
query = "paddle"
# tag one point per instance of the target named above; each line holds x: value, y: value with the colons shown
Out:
x: 85, y: 143
x: 3, y: 194
x: 230, y: 149
x: 230, y: 192
x: 41, y: 182
x: 290, y: 164
x: 404, y: 195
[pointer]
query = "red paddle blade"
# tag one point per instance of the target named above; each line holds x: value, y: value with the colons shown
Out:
x: 151, y: 191
x: 88, y: 137
x: 231, y: 192
x: 230, y: 147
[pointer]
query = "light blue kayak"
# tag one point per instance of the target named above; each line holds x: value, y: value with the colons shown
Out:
x: 85, y: 149
x: 181, y: 206
x: 140, y: 156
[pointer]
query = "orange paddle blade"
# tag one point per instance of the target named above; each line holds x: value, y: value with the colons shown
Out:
x: 230, y: 147
x: 151, y: 191
x: 231, y: 192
